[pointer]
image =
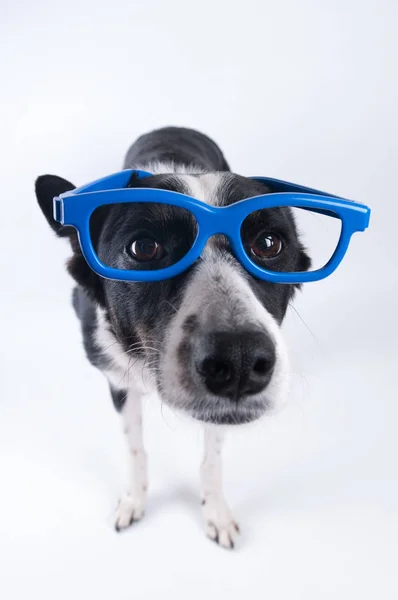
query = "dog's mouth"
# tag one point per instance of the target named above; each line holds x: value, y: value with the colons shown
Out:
x: 245, y: 412
x: 209, y: 408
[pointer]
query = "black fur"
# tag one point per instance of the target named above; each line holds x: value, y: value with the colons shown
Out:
x: 179, y: 145
x: 85, y: 310
x: 118, y: 397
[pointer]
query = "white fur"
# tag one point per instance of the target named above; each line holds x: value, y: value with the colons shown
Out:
x: 161, y: 168
x: 124, y: 375
x: 220, y: 525
x: 204, y: 187
x: 132, y: 503
x: 125, y: 370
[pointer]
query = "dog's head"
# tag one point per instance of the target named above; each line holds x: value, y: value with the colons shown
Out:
x: 211, y: 335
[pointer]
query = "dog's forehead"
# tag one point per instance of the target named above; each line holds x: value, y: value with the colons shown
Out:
x: 216, y: 189
x: 222, y: 189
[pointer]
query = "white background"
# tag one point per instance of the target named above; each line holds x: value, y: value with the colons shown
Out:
x: 304, y: 91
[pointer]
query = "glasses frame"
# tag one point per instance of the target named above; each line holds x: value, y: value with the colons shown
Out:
x: 75, y: 207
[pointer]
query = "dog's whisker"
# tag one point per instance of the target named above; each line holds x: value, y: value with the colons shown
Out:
x: 116, y: 355
x: 305, y: 324
x: 170, y: 304
x: 124, y: 374
x: 110, y: 345
x: 152, y: 362
x: 147, y: 340
x: 130, y: 367
x: 131, y: 346
x: 142, y: 343
x: 132, y: 350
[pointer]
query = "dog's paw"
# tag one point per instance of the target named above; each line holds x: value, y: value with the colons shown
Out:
x: 220, y: 526
x: 131, y: 508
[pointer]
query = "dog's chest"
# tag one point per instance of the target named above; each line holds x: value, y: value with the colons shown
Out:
x: 125, y: 370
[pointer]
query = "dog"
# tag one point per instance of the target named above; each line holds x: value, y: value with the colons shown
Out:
x: 209, y: 339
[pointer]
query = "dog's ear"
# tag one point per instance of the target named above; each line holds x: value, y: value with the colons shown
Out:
x: 46, y: 188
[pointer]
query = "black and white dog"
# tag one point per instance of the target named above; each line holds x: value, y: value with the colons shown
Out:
x: 209, y: 339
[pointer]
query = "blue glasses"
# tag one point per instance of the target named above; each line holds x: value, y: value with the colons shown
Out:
x: 188, y: 223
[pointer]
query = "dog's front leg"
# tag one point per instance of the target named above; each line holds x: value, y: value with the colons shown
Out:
x: 132, y: 503
x: 220, y: 526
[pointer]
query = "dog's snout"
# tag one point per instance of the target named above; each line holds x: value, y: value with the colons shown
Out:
x: 235, y: 364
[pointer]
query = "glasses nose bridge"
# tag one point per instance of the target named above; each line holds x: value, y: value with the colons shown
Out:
x: 221, y: 223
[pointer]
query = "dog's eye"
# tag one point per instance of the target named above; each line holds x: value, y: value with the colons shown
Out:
x: 145, y: 249
x: 266, y: 245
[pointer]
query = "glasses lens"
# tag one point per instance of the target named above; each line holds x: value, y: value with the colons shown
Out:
x: 278, y: 239
x: 138, y: 236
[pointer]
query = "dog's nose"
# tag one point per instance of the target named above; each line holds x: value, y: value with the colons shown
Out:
x: 235, y: 364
